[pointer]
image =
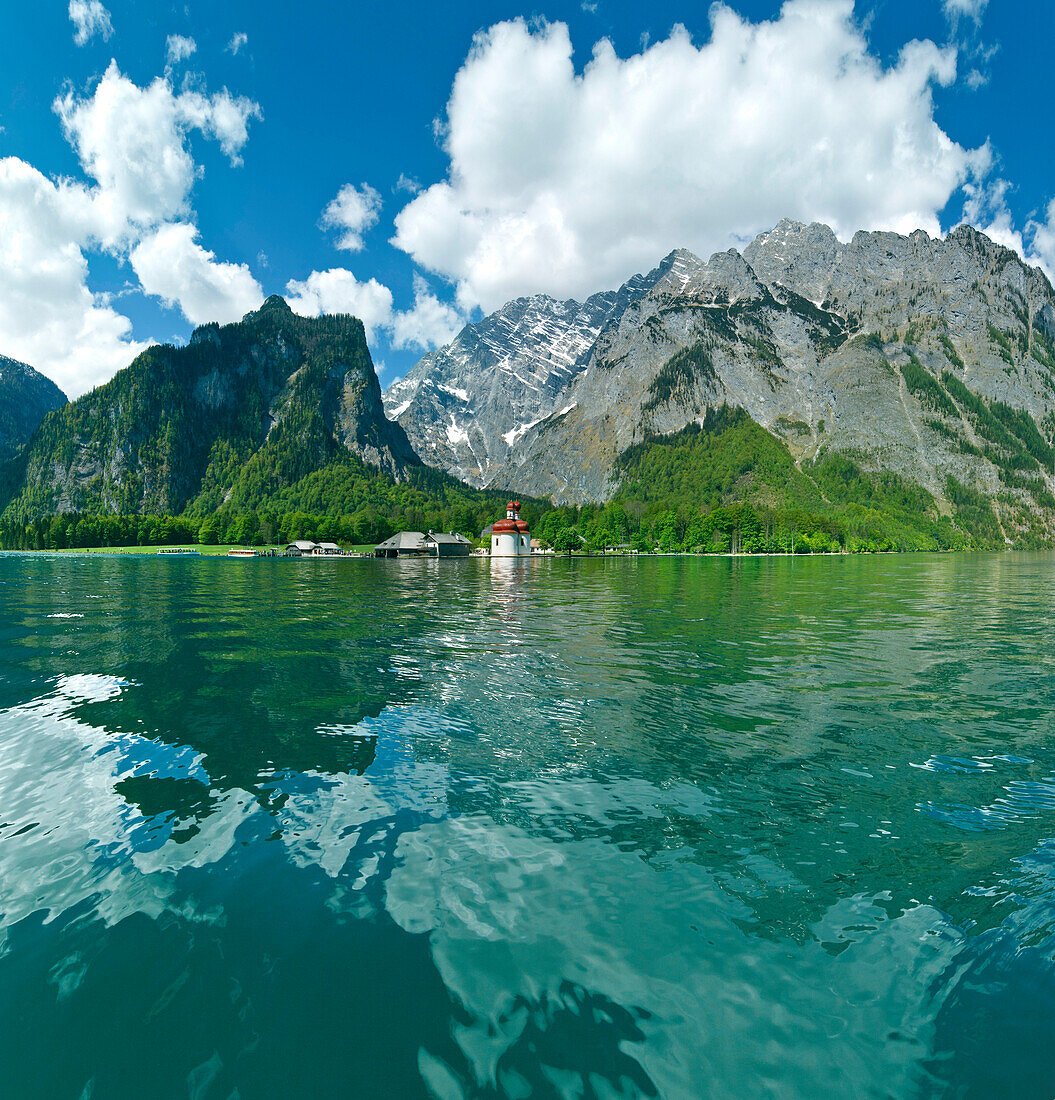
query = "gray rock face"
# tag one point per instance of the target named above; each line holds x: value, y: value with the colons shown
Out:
x: 26, y: 397
x: 360, y: 424
x: 464, y: 407
x: 866, y: 347
x: 799, y: 256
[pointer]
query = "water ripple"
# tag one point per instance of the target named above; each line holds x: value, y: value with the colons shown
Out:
x: 611, y: 828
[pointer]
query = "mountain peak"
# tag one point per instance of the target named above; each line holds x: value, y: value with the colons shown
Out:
x: 673, y: 273
x: 797, y: 255
x: 790, y: 225
x: 789, y: 233
x: 268, y: 403
x: 678, y: 255
x: 275, y: 303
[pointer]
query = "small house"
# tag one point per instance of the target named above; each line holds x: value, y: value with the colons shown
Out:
x: 327, y: 548
x: 299, y: 547
x: 404, y: 545
x: 448, y: 546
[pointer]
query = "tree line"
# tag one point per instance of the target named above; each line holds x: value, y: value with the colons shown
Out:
x: 723, y: 486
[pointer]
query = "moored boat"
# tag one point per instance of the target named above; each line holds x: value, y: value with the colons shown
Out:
x: 241, y: 552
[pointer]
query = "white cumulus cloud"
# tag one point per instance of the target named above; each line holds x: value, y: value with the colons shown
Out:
x: 170, y: 264
x: 134, y: 142
x: 133, y: 145
x: 48, y: 316
x: 567, y: 182
x: 89, y: 19
x: 178, y: 48
x: 428, y: 324
x: 339, y: 291
x: 238, y: 40
x: 351, y: 213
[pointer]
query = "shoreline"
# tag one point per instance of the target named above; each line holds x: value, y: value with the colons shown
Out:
x: 221, y: 552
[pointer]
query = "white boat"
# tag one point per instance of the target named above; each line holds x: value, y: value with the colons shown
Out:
x: 179, y: 550
x: 241, y: 552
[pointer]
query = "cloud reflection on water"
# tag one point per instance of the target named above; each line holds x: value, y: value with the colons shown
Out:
x: 640, y: 836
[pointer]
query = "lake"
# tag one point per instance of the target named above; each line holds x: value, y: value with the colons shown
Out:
x: 593, y: 828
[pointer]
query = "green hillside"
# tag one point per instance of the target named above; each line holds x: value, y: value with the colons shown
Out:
x: 345, y: 501
x: 728, y: 484
x: 242, y: 412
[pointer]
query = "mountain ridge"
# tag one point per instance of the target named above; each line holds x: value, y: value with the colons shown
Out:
x: 887, y: 391
x: 520, y: 358
x: 906, y: 353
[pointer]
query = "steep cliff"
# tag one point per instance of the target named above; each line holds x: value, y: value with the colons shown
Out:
x: 241, y: 412
x: 467, y: 405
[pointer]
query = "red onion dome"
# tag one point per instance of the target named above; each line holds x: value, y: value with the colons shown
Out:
x: 521, y: 526
x: 507, y: 527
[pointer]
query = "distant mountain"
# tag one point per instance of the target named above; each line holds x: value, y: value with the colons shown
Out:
x: 899, y: 389
x: 929, y: 360
x: 240, y: 414
x: 465, y: 406
x: 26, y: 397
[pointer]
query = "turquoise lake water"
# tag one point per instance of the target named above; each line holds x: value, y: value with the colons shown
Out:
x: 589, y: 828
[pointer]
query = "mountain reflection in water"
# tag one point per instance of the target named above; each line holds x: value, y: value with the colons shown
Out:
x: 584, y: 828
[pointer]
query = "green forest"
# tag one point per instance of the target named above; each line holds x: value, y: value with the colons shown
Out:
x: 346, y: 502
x: 723, y: 486
x: 729, y: 486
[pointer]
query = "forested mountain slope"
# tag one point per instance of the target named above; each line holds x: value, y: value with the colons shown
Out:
x: 26, y: 397
x: 240, y: 415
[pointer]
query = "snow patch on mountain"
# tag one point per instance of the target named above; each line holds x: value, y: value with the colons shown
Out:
x: 504, y: 375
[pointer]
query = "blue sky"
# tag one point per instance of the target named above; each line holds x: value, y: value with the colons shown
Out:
x: 161, y: 165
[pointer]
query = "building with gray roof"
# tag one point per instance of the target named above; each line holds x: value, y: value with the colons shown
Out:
x: 411, y: 544
x: 405, y: 544
x: 448, y: 546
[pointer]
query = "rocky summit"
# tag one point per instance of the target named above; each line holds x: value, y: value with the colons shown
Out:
x: 933, y: 359
x: 467, y: 405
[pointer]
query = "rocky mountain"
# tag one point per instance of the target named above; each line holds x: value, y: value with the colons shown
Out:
x: 466, y: 406
x: 241, y: 412
x: 26, y: 397
x: 931, y: 359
